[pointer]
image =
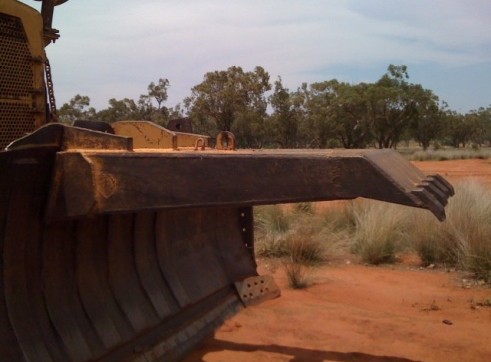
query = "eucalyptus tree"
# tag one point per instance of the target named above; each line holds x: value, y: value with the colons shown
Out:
x: 459, y: 128
x: 428, y: 122
x: 390, y: 106
x: 159, y: 91
x: 119, y: 110
x: 352, y: 126
x: 319, y: 122
x: 285, y: 119
x: 78, y: 108
x: 230, y: 100
x: 482, y: 118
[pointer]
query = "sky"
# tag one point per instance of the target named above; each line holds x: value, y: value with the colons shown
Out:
x: 115, y: 48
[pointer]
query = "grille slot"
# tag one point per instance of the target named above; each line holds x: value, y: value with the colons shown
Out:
x: 15, y: 121
x: 16, y: 81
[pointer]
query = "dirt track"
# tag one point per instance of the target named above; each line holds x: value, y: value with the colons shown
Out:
x: 361, y: 313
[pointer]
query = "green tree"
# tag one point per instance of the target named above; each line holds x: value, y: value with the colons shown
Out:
x: 142, y: 109
x: 390, y: 106
x: 482, y: 120
x: 145, y: 106
x: 351, y: 124
x: 459, y: 128
x: 284, y: 121
x: 428, y: 121
x: 319, y: 123
x: 159, y: 91
x: 225, y: 96
x: 78, y: 108
x: 176, y: 111
x: 119, y: 110
x: 249, y: 129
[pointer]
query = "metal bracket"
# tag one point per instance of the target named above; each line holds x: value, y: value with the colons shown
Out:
x: 257, y: 289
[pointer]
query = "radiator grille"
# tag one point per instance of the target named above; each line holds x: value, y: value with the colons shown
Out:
x: 16, y: 81
x: 15, y: 121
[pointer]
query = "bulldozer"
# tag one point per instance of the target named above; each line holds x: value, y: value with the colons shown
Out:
x: 133, y: 242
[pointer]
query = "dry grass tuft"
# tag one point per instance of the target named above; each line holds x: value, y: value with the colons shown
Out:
x: 464, y: 239
x: 297, y: 274
x: 379, y: 230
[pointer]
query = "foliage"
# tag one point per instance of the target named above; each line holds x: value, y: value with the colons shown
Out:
x: 119, y: 110
x: 324, y: 114
x: 427, y: 124
x: 393, y: 106
x: 353, y: 126
x: 284, y: 122
x: 225, y: 96
x: 482, y: 120
x: 77, y: 109
x: 123, y: 109
x: 318, y: 116
x: 464, y: 129
x: 356, y: 115
x: 159, y: 91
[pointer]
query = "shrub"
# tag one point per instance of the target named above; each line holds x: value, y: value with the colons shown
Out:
x: 300, y: 248
x: 271, y: 218
x: 304, y: 250
x: 464, y: 239
x: 379, y: 231
x: 272, y: 246
x: 297, y: 275
x: 431, y: 239
x: 340, y: 218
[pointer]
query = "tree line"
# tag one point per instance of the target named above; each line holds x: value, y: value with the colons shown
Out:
x: 318, y: 115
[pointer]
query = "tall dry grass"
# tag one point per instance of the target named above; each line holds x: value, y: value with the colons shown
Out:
x: 295, y: 235
x: 449, y: 154
x: 464, y: 239
x: 302, y: 232
x: 378, y: 231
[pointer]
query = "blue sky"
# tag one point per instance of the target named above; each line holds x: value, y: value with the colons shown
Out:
x: 115, y: 48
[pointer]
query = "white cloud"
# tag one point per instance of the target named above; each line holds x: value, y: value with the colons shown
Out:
x: 115, y: 48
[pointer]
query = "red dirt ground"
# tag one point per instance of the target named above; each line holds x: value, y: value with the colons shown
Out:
x: 361, y: 313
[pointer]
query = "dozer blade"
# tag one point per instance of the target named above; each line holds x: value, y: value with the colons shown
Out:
x: 112, y: 254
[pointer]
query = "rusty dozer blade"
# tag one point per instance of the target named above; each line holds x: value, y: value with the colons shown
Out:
x: 115, y: 254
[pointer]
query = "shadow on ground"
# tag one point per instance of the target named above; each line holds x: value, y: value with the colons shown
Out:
x: 297, y: 354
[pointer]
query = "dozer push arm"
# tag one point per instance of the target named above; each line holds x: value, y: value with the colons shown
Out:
x: 90, y: 182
